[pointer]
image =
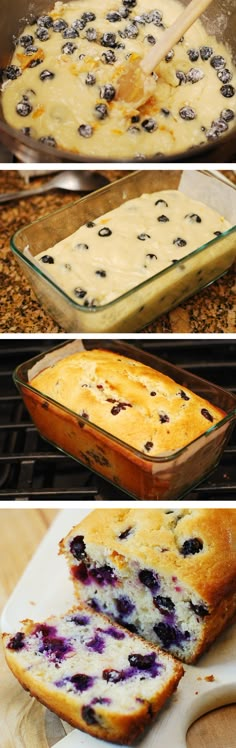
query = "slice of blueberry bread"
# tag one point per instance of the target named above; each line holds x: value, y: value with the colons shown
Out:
x: 97, y: 676
x: 168, y: 575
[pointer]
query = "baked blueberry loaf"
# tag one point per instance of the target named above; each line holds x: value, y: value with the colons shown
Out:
x: 133, y: 402
x: 168, y: 575
x: 97, y: 676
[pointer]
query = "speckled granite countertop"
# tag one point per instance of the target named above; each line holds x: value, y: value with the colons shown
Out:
x: 213, y: 310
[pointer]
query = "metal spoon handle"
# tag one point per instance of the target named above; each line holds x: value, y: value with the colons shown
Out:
x: 25, y: 193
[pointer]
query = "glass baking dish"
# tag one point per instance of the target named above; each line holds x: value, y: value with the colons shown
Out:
x: 139, y: 306
x: 168, y: 476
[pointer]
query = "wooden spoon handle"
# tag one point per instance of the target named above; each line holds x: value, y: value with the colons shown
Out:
x: 173, y: 34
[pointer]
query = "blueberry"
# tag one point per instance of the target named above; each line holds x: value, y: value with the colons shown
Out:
x: 150, y: 39
x: 163, y: 604
x: 105, y: 231
x: 90, y: 79
x: 205, y: 413
x: 80, y: 620
x: 46, y: 75
x: 129, y: 3
x: 165, y: 111
x: 161, y: 203
x: 78, y: 547
x: 59, y: 25
x: 148, y: 446
x: 206, y: 52
x: 24, y: 108
x: 55, y: 646
x: 17, y: 641
x: 140, y: 19
x: 166, y: 633
x: 90, y: 224
x: 180, y: 242
x: 86, y: 131
x: 109, y: 57
x: 217, y: 127
x: 156, y: 17
x: 142, y: 662
x: 218, y: 62
x: 68, y: 48
x: 149, y: 124
x: 89, y: 715
x: 35, y: 62
x: 42, y: 34
x: 112, y: 676
x: 91, y: 34
x: 153, y: 394
x: 227, y: 91
x: 82, y: 246
x: 163, y: 219
x: 149, y: 579
x: 181, y: 77
x: 45, y: 21
x: 102, y: 273
x: 187, y: 113
x: 193, y: 218
x: 191, y: 546
x: 151, y: 256
x: 48, y: 140
x: 124, y: 606
x: 79, y: 24
x: 135, y: 118
x: 164, y: 418
x: 48, y: 259
x: 31, y: 49
x: 101, y: 111
x: 82, y: 682
x: 200, y: 610
x: 225, y: 76
x: 194, y: 75
x: 108, y: 40
x: 143, y: 237
x: 107, y: 92
x: 11, y: 72
x: 227, y: 115
x: 103, y: 574
x: 170, y: 55
x: 88, y: 16
x: 217, y: 233
x: 25, y: 40
x: 131, y: 31
x: 70, y: 33
x: 113, y: 16
x: 193, y: 54
x: 123, y: 535
x: 79, y: 292
x: 97, y: 644
x: 182, y: 393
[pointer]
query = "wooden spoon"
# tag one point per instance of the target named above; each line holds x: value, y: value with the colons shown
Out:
x: 134, y: 85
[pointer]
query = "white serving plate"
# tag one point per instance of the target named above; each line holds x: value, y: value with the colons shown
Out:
x: 45, y: 588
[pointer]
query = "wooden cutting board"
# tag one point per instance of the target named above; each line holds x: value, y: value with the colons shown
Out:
x: 26, y: 724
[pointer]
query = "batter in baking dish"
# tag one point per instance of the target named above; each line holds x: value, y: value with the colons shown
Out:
x: 124, y: 247
x: 61, y: 85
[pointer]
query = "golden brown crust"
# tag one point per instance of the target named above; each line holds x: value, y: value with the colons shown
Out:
x: 211, y: 573
x: 129, y: 400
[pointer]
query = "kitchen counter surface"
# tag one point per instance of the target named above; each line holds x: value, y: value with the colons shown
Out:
x: 213, y: 310
x: 25, y: 722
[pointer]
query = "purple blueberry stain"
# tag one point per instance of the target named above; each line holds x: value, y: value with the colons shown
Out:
x: 103, y: 575
x: 82, y: 682
x: 115, y: 633
x: 80, y: 620
x: 124, y: 606
x: 97, y: 644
